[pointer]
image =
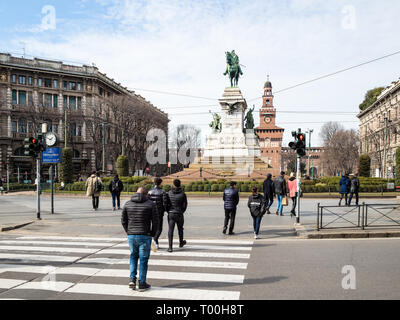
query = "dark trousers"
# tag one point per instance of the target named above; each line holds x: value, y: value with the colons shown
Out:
x: 160, y: 227
x: 230, y: 214
x: 257, y: 224
x: 174, y: 218
x: 294, y: 203
x: 351, y: 197
x: 116, y: 197
x: 95, y: 202
x: 341, y: 198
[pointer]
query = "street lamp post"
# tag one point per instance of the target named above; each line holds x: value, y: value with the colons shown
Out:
x: 309, y: 131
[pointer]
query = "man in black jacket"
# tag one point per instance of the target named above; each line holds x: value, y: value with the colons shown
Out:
x: 158, y: 196
x: 354, y: 188
x: 231, y: 200
x: 116, y: 186
x: 257, y: 206
x: 176, y: 205
x: 269, y: 191
x: 280, y: 191
x: 140, y: 222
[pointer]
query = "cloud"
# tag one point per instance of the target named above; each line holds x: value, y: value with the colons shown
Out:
x: 179, y: 46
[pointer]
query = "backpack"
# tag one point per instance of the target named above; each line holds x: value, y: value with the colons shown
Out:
x: 98, y: 187
x: 114, y: 186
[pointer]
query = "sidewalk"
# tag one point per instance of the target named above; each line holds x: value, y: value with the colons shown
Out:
x: 308, y: 231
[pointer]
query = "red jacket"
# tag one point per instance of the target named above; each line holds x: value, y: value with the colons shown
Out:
x: 292, y: 184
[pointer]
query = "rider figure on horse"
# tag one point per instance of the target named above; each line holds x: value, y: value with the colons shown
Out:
x: 233, y: 68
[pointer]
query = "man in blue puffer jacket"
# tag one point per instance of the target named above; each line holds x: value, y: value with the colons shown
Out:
x: 231, y: 200
x: 345, y: 184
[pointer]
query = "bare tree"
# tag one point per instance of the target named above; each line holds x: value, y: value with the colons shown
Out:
x: 341, y: 149
x: 188, y: 136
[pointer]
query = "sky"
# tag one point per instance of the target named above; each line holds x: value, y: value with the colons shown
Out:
x: 179, y: 47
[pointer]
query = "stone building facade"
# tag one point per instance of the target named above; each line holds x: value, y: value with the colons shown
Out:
x: 36, y: 91
x: 379, y: 131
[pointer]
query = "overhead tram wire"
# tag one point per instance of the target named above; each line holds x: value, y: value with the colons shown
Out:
x: 173, y: 94
x: 287, y: 112
x: 332, y: 74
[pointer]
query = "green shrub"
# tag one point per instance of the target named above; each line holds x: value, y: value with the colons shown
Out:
x: 123, y: 166
x: 168, y: 188
x: 245, y: 188
x: 194, y: 188
x: 214, y: 187
x: 65, y: 168
x: 200, y: 187
x: 221, y: 187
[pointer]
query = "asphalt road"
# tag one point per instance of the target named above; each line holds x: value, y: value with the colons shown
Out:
x: 279, y: 265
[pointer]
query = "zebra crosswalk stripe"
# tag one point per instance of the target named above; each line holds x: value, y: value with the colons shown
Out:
x: 84, y: 257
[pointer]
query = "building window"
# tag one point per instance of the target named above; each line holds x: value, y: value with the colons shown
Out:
x: 30, y: 99
x: 65, y: 85
x: 14, y: 97
x: 14, y: 78
x: 40, y: 82
x: 30, y: 81
x: 55, y: 128
x: 30, y: 127
x: 22, y: 98
x: 48, y: 100
x: 79, y: 86
x: 22, y: 125
x: 79, y: 131
x: 101, y: 91
x: 65, y: 101
x: 55, y: 84
x: 72, y: 86
x: 73, y: 129
x: 47, y: 83
x: 79, y: 103
x: 14, y: 126
x: 55, y: 101
x: 72, y: 103
x: 22, y: 80
x: 40, y: 100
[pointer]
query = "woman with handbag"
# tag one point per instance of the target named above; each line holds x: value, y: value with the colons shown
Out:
x: 292, y: 186
x: 94, y: 185
x: 257, y: 207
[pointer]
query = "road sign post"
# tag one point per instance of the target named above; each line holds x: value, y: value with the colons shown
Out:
x: 52, y: 156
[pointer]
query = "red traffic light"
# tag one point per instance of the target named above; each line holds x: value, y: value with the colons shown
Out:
x: 301, y: 137
x: 32, y: 140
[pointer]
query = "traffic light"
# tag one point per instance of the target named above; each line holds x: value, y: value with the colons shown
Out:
x: 301, y: 144
x: 31, y: 145
x: 41, y: 146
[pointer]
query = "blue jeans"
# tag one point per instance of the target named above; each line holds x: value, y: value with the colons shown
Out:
x: 269, y: 202
x: 139, y: 246
x: 257, y: 224
x: 280, y: 206
x: 116, y: 197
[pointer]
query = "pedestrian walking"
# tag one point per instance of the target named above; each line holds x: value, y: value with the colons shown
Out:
x: 176, y: 205
x: 268, y: 187
x: 116, y: 187
x: 292, y: 186
x: 344, y: 188
x: 159, y: 197
x: 280, y: 191
x: 258, y: 207
x: 231, y: 200
x: 94, y: 185
x: 354, y: 188
x: 140, y: 222
x: 1, y: 186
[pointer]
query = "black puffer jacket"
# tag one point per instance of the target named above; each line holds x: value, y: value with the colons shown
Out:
x: 139, y: 216
x: 231, y: 198
x: 176, y: 201
x: 158, y: 196
x: 354, y: 185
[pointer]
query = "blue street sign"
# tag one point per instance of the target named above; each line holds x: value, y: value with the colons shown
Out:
x: 51, y: 155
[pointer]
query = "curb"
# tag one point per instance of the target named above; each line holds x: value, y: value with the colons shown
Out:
x: 14, y: 227
x: 344, y: 234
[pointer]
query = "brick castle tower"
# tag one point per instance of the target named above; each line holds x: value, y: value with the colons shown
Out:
x: 270, y: 135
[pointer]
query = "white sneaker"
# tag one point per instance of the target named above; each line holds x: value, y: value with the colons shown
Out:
x: 255, y: 236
